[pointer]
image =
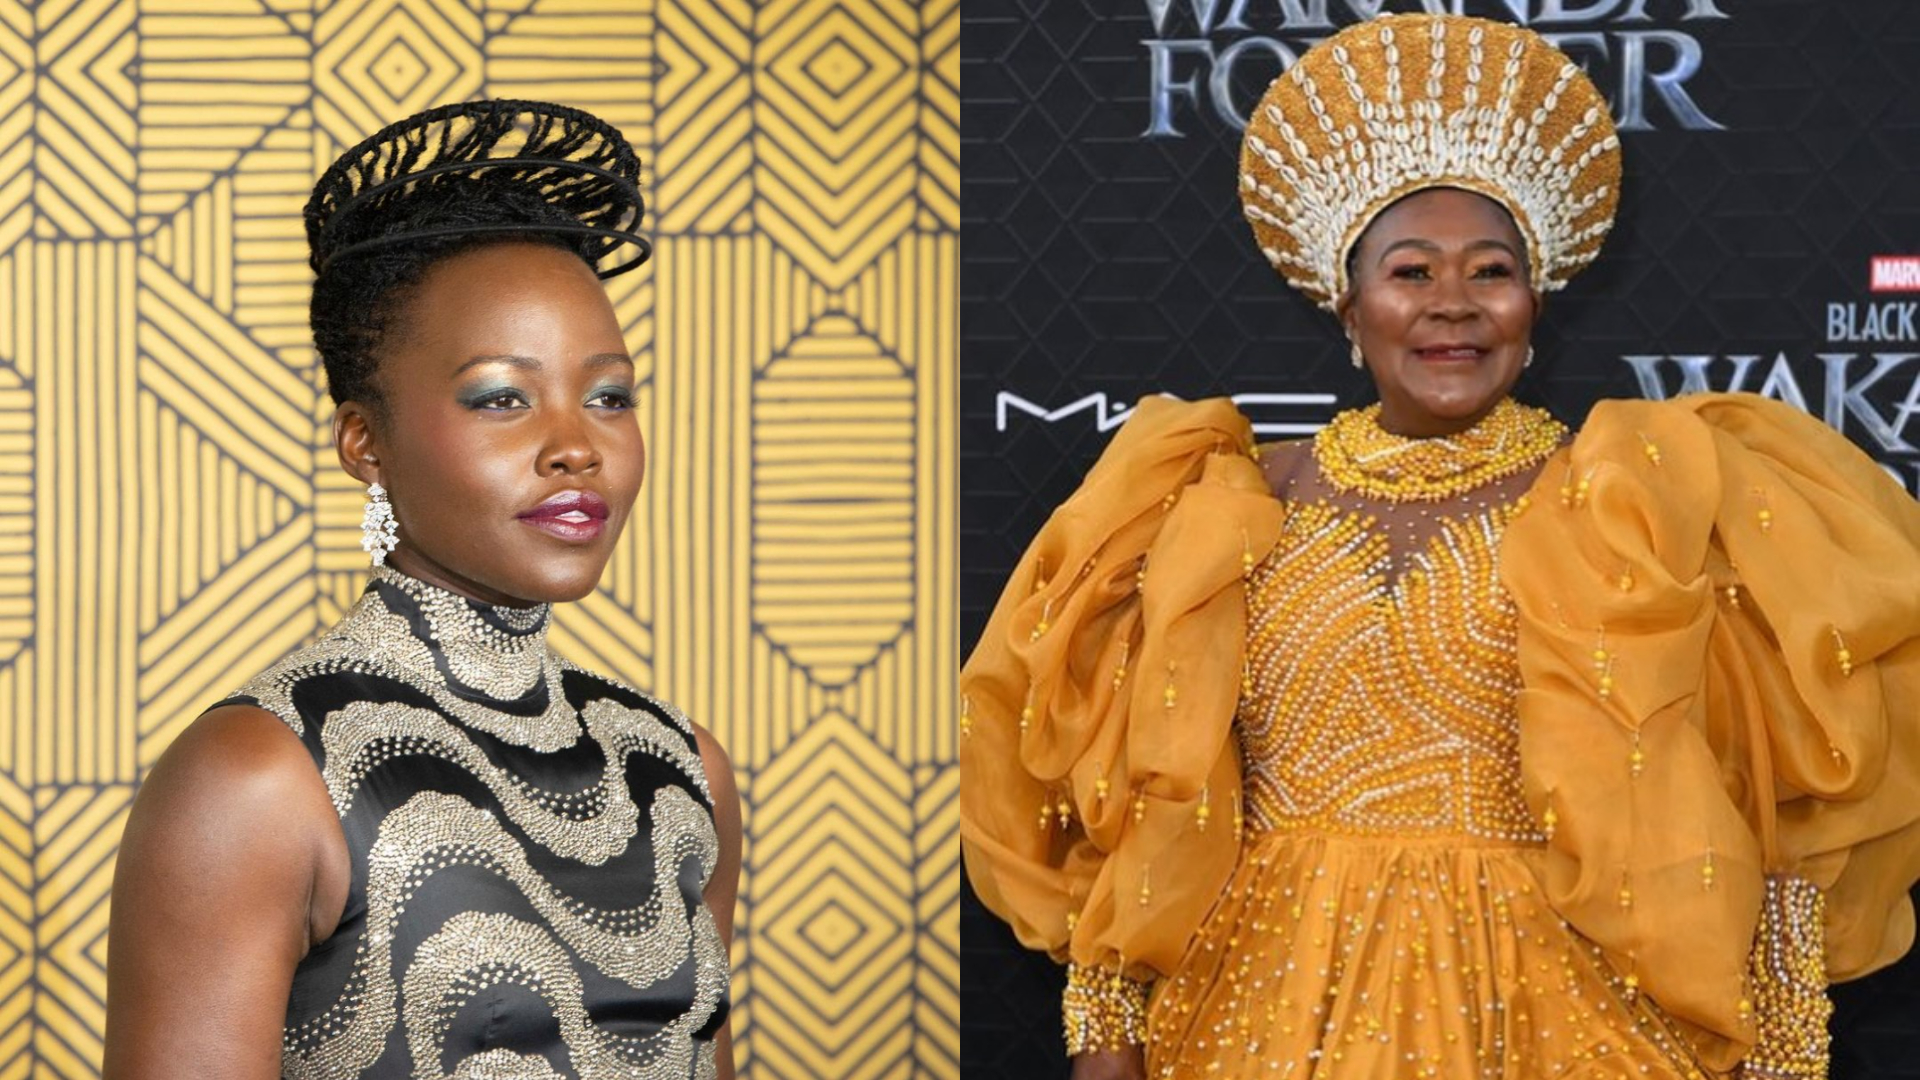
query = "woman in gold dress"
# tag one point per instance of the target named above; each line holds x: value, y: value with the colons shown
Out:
x: 1449, y: 743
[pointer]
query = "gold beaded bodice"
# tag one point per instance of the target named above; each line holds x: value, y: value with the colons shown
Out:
x: 1380, y: 688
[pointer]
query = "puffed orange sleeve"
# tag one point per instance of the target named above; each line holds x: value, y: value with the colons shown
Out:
x: 1100, y: 788
x: 1719, y: 603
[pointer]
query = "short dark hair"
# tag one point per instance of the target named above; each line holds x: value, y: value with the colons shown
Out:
x: 357, y: 301
x: 447, y: 180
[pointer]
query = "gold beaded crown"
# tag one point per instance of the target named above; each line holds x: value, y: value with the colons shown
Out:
x: 1402, y: 103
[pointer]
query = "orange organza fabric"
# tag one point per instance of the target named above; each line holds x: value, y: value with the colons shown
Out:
x: 1729, y: 731
x: 1106, y: 681
x: 1749, y: 584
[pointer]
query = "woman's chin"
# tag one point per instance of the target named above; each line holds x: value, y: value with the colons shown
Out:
x: 560, y: 585
x: 1462, y: 409
x: 1439, y: 413
x: 537, y: 577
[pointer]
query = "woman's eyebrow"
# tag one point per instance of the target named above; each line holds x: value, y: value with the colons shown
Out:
x: 528, y: 363
x: 1428, y: 245
x: 1412, y: 242
x: 525, y: 363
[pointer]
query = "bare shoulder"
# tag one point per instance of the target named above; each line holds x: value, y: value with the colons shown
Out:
x: 242, y: 731
x: 237, y: 788
x: 236, y: 755
x: 232, y: 865
x: 723, y: 887
x: 719, y: 769
x: 710, y: 749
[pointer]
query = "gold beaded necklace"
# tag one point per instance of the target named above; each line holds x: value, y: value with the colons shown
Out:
x: 1357, y: 455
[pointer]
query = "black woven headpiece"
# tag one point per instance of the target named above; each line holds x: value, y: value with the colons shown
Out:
x: 580, y: 165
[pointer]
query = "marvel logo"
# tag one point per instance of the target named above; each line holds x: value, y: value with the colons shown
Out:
x: 1895, y: 273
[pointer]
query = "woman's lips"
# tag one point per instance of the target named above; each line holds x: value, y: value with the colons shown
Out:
x: 577, y: 531
x: 1456, y: 354
x: 575, y: 516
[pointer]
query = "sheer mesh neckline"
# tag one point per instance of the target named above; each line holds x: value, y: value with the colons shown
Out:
x: 1409, y: 528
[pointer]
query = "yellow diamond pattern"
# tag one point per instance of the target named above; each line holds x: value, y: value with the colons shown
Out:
x: 172, y: 518
x: 835, y: 167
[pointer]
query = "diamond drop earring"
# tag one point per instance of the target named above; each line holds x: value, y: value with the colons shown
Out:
x: 1359, y: 361
x: 379, y: 532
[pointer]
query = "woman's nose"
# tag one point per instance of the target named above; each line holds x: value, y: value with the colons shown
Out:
x: 569, y: 447
x: 1450, y: 298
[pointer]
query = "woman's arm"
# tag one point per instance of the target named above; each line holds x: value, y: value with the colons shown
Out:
x: 1127, y: 1064
x: 724, y: 886
x: 232, y: 865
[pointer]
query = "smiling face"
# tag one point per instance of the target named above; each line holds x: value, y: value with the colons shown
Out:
x: 1441, y: 308
x: 505, y: 435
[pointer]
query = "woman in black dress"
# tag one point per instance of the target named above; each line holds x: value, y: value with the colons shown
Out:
x: 425, y: 845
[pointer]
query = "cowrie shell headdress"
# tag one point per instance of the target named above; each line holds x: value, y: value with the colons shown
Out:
x: 1402, y: 103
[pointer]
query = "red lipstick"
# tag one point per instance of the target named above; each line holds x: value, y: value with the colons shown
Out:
x: 574, y: 516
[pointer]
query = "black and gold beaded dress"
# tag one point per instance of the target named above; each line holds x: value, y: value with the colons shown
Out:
x: 529, y: 842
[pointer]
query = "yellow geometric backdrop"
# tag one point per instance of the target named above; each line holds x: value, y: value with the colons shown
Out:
x: 172, y: 518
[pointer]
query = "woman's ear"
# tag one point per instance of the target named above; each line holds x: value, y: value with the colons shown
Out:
x: 354, y: 441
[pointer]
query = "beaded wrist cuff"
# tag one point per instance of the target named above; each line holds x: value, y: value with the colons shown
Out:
x: 1788, y: 968
x: 1102, y: 1010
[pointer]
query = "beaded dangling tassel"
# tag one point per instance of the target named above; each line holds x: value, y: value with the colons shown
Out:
x: 379, y: 532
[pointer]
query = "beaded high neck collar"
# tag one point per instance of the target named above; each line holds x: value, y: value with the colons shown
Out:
x: 1358, y: 456
x: 482, y: 650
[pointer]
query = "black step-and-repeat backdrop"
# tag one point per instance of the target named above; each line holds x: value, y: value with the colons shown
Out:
x: 1768, y: 240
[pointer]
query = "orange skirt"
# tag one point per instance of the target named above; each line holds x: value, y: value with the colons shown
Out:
x: 1336, y: 958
